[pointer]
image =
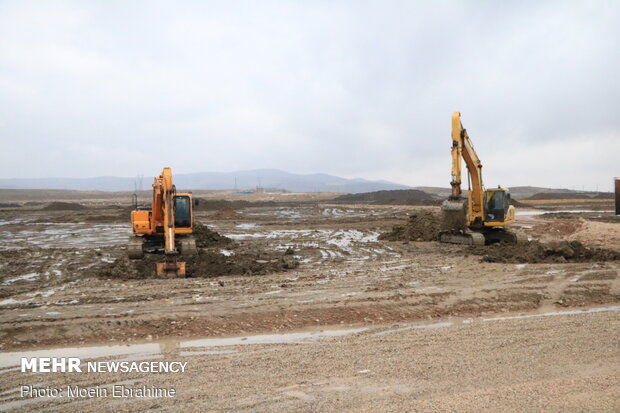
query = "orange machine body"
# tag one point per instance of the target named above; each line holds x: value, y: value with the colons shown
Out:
x: 160, y: 215
x: 170, y: 214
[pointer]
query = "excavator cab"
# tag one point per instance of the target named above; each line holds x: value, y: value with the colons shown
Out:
x: 496, y: 204
x: 182, y: 211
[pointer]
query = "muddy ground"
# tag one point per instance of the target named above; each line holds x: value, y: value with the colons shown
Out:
x: 320, y: 267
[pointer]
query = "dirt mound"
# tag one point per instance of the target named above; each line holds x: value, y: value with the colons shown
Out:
x: 604, y: 195
x: 206, y: 237
x: 537, y: 252
x: 206, y: 263
x: 219, y: 204
x: 226, y: 213
x: 518, y: 204
x: 422, y: 226
x: 214, y: 263
x: 63, y: 206
x: 395, y: 197
x: 558, y: 195
x: 210, y: 261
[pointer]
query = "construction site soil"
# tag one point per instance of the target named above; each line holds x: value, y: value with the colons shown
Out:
x: 312, y: 309
x: 226, y: 213
x: 422, y: 226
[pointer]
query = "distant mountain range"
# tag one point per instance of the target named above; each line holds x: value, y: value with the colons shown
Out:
x: 248, y: 180
x: 242, y: 180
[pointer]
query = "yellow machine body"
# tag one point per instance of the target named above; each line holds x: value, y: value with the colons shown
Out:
x: 484, y: 208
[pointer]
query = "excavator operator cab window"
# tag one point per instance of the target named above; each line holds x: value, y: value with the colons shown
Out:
x: 495, y: 205
x: 182, y: 211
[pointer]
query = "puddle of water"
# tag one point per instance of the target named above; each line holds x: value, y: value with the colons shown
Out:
x: 414, y: 327
x: 12, y: 301
x: 26, y: 277
x: 246, y: 226
x: 556, y: 313
x: 155, y: 350
x: 344, y: 238
x: 67, y: 235
x: 565, y: 211
x: 270, y: 338
x: 11, y: 359
x: 206, y: 352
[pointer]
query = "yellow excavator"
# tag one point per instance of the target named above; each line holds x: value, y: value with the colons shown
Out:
x: 167, y: 224
x: 482, y: 218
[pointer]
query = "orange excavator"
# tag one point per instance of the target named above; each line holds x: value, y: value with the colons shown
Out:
x: 167, y: 224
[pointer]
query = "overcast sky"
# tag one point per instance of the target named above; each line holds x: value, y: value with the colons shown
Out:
x: 350, y: 88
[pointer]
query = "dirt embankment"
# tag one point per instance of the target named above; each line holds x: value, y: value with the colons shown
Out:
x: 518, y: 204
x: 570, y: 195
x: 395, y: 197
x: 422, y: 226
x: 64, y: 206
x: 220, y: 204
x: 206, y: 237
x: 211, y: 260
x: 537, y: 252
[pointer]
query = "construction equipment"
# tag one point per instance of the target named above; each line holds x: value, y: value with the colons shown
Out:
x: 482, y: 217
x: 167, y: 224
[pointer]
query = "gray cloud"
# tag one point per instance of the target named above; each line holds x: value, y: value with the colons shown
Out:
x: 350, y: 88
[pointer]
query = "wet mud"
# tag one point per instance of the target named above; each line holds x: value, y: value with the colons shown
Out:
x: 217, y: 255
x: 538, y: 252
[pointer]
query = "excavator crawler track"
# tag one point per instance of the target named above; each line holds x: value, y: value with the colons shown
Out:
x: 463, y: 238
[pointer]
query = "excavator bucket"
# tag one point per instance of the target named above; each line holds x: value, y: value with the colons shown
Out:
x: 453, y: 211
x: 454, y: 224
x: 171, y: 269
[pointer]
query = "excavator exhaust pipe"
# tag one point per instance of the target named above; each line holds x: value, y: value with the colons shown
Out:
x: 171, y: 269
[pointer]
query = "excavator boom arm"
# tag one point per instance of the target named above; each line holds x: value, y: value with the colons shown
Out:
x: 463, y: 148
x: 163, y: 200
